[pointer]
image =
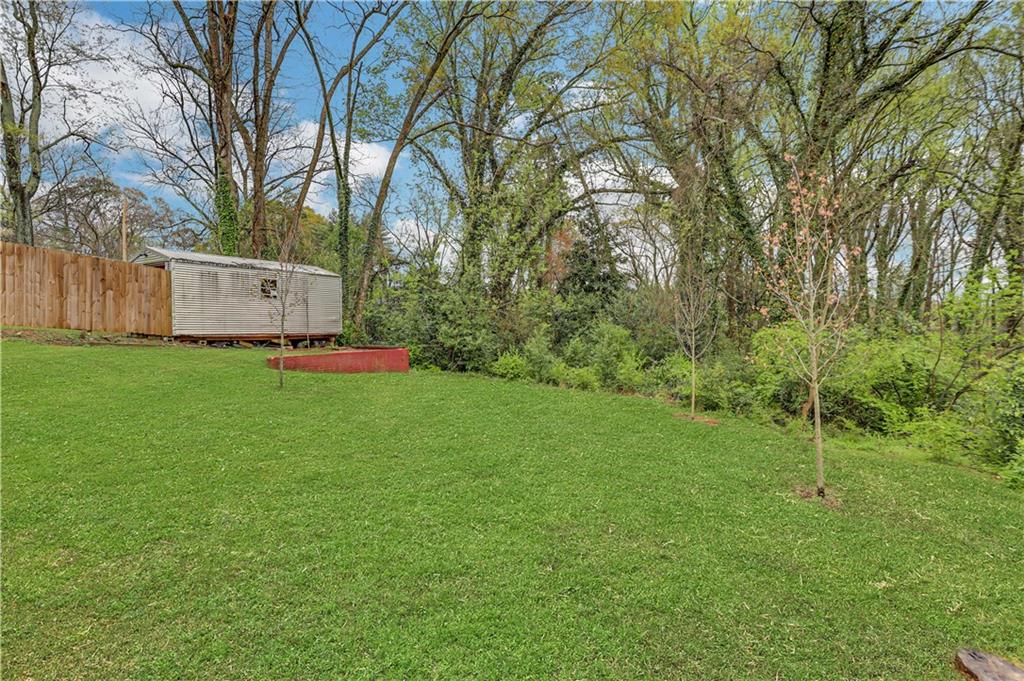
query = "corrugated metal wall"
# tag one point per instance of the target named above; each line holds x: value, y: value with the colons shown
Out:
x: 209, y: 300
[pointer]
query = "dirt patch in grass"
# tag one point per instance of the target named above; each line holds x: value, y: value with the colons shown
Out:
x: 75, y: 337
x: 696, y: 418
x: 809, y: 493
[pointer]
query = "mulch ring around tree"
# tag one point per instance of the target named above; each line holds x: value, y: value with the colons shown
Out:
x: 696, y: 418
x: 810, y: 493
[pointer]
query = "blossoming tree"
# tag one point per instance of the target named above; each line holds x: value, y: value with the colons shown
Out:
x: 805, y: 270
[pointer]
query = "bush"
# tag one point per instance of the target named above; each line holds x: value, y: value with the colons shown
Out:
x: 1013, y: 472
x: 648, y: 314
x: 945, y: 435
x: 629, y: 376
x: 465, y: 330
x: 1009, y: 417
x: 580, y: 378
x: 577, y: 352
x: 612, y: 347
x: 882, y: 383
x: 775, y: 380
x: 540, y: 361
x: 510, y: 366
x: 672, y: 375
x: 532, y: 310
x: 726, y: 386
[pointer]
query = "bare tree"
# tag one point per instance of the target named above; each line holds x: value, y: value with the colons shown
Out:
x: 87, y: 218
x: 455, y: 19
x: 359, y: 23
x: 696, y: 306
x: 40, y: 57
x: 216, y: 68
x: 270, y: 40
x: 286, y: 292
x: 806, y: 271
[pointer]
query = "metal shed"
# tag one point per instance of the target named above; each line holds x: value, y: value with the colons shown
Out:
x: 224, y: 297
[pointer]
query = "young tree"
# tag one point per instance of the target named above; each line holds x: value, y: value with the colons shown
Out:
x: 696, y: 307
x: 806, y: 271
x: 286, y: 292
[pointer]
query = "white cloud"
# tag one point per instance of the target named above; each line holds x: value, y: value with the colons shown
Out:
x: 92, y: 93
x: 368, y: 161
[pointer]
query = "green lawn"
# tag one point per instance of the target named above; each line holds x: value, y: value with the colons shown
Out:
x: 167, y: 513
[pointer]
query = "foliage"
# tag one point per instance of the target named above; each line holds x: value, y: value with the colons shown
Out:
x: 610, y: 348
x: 510, y: 366
x: 465, y: 335
x: 580, y: 378
x: 672, y: 375
x: 882, y: 383
x: 1013, y: 472
x: 540, y: 361
x: 1009, y: 419
x: 776, y: 379
x: 227, y: 218
x: 591, y: 283
x: 629, y: 374
x: 944, y: 435
x: 647, y: 313
x: 727, y: 384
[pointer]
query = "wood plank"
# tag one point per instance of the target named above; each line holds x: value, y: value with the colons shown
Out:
x: 48, y: 288
x: 980, y: 666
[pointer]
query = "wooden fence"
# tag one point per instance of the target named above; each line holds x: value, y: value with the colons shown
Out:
x: 56, y: 289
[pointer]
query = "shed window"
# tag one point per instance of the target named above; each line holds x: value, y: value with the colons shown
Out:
x: 268, y: 288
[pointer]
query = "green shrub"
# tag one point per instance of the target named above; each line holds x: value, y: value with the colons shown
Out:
x: 648, y: 314
x: 540, y: 360
x: 612, y: 346
x: 945, y: 435
x: 510, y: 366
x: 1009, y: 417
x: 532, y: 310
x: 580, y: 378
x: 671, y: 375
x: 629, y: 376
x: 882, y: 383
x: 577, y: 352
x: 465, y: 330
x: 729, y: 386
x: 775, y: 379
x: 1013, y: 472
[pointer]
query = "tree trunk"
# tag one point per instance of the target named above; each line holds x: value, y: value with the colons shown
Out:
x: 23, y: 229
x: 412, y: 115
x: 280, y: 355
x: 341, y: 171
x: 259, y: 206
x: 20, y: 191
x: 220, y: 20
x: 818, y: 445
x: 693, y: 376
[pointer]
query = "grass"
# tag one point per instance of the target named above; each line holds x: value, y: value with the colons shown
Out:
x: 168, y: 514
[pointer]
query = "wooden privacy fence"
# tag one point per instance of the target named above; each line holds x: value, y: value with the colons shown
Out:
x: 57, y: 289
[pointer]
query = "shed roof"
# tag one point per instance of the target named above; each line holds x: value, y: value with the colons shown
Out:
x: 230, y: 261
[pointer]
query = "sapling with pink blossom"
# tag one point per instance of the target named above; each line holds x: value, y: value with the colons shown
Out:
x: 805, y: 270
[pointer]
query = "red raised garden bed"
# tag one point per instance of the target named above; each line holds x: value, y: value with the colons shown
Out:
x: 352, y: 361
